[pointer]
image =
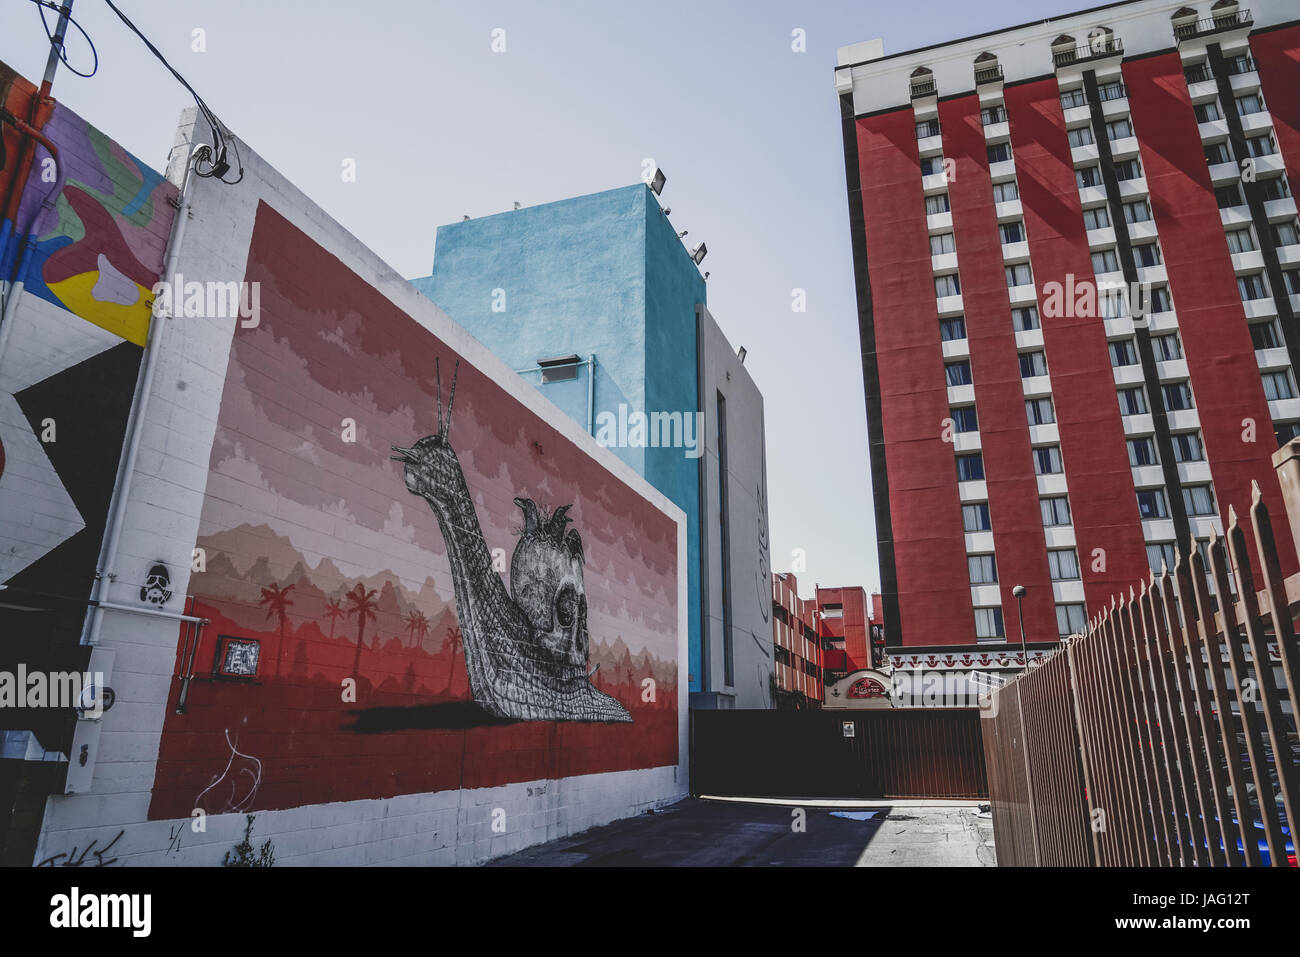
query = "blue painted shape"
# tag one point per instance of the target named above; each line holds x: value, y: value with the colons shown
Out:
x: 601, y: 274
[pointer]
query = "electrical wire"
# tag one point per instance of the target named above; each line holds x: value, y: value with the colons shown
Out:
x: 215, y: 156
x: 60, y: 45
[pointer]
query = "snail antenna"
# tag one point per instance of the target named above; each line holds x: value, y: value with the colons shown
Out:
x: 451, y: 399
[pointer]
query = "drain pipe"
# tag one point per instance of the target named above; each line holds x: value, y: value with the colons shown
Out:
x: 135, y: 422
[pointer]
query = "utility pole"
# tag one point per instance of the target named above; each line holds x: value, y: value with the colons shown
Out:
x: 56, y: 48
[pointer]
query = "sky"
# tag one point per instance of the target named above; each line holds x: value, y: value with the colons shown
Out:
x: 439, y: 125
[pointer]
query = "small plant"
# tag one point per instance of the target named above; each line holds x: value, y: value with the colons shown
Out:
x: 243, y: 856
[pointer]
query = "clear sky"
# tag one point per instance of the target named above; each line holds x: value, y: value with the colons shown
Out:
x: 746, y: 129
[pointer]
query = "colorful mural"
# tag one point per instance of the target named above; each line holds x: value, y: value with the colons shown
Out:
x: 85, y: 226
x: 370, y: 495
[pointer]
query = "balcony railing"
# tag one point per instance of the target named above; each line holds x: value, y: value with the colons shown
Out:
x: 1201, y: 28
x: 988, y: 74
x: 1099, y: 49
x: 928, y: 128
x: 923, y: 88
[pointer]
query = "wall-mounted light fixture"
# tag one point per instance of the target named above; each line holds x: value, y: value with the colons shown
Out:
x: 657, y: 181
x: 699, y: 252
x: 741, y: 353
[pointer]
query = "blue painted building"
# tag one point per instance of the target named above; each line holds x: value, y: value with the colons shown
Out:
x: 597, y: 302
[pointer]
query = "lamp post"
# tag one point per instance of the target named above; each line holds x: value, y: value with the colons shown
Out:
x: 1019, y: 592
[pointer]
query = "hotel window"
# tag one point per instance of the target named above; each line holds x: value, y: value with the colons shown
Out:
x: 934, y: 205
x: 1197, y: 73
x: 1274, y: 187
x: 1241, y: 63
x: 1285, y: 432
x: 1206, y: 112
x: 1160, y: 300
x: 1055, y: 511
x: 1161, y: 554
x: 1080, y: 136
x: 1063, y: 564
x: 1240, y: 240
x: 1187, y: 447
x: 1227, y: 196
x: 1142, y: 451
x: 1132, y: 401
x: 1263, y: 335
x: 1118, y: 129
x: 964, y: 418
x: 1111, y: 91
x: 958, y: 373
x: 1012, y: 232
x: 950, y: 330
x: 1252, y: 286
x: 942, y: 243
x: 1073, y: 98
x: 1070, y: 620
x: 1087, y: 176
x: 1250, y: 103
x: 1123, y: 353
x: 970, y: 467
x: 1137, y: 211
x: 931, y: 165
x: 1277, y: 386
x: 1047, y: 460
x: 1146, y: 254
x: 1198, y: 499
x: 975, y: 518
x: 1151, y: 503
x: 983, y: 569
x: 1128, y: 169
x: 1105, y: 260
x: 1026, y: 318
x: 1286, y: 234
x: 1111, y: 301
x: 1032, y: 364
x: 927, y: 128
x: 1291, y: 279
x: 1261, y: 144
x: 1018, y: 275
x: 1040, y: 411
x: 1005, y: 192
x: 948, y: 285
x: 1178, y: 396
x: 999, y: 152
x: 1216, y: 153
x: 993, y: 114
x: 1166, y: 347
x: 988, y: 624
x: 1096, y: 217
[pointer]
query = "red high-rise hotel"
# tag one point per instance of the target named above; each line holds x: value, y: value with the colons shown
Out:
x: 1023, y: 430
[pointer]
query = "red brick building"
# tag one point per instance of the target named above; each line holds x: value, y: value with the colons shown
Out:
x: 798, y: 648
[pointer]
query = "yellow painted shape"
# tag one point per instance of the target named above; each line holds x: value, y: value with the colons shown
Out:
x: 129, y: 322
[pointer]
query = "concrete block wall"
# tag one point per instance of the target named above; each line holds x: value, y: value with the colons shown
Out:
x: 162, y: 524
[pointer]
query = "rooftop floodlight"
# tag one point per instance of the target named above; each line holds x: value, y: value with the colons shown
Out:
x: 699, y: 252
x: 741, y: 353
x: 657, y: 181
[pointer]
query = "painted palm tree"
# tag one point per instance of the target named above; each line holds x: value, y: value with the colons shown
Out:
x: 417, y: 624
x: 276, y: 600
x: 334, y: 609
x: 362, y: 604
x: 455, y: 642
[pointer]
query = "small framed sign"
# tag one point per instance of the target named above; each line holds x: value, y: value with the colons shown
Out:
x: 848, y: 728
x: 237, y: 657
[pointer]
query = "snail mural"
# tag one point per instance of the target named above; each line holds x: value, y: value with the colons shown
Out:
x: 526, y: 649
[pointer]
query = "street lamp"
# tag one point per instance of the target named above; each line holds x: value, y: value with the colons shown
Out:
x: 1019, y: 592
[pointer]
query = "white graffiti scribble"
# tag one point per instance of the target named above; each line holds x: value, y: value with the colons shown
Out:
x: 254, y: 774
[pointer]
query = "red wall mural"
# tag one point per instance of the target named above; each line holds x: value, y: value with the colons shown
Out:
x: 377, y: 507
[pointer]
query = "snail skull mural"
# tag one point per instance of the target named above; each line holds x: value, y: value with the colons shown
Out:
x: 526, y: 649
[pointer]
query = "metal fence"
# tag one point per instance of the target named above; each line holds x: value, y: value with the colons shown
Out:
x: 1165, y: 735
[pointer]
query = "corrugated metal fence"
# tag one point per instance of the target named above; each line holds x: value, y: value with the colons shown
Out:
x: 1166, y: 734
